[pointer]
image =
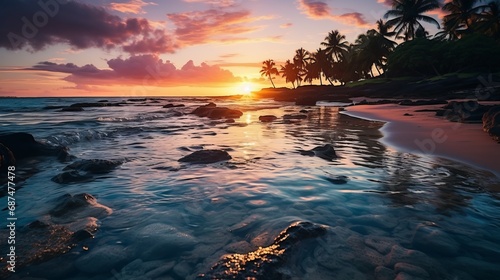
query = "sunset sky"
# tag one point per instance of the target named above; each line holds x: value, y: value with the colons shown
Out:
x: 174, y: 47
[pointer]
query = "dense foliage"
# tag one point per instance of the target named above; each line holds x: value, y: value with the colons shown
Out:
x: 469, y: 41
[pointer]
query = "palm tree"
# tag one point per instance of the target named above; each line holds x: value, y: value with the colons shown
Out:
x: 462, y: 13
x: 300, y: 61
x: 489, y: 20
x: 269, y: 69
x: 290, y: 72
x: 407, y: 14
x: 335, y: 44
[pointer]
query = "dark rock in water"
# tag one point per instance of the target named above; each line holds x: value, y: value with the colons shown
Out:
x: 303, y: 111
x: 6, y: 158
x: 83, y: 170
x: 72, y: 109
x: 264, y: 263
x: 104, y: 100
x: 136, y: 99
x: 407, y: 115
x: 267, y: 118
x: 339, y: 180
x: 95, y: 104
x: 72, y: 176
x: 23, y: 145
x: 491, y: 122
x: 170, y: 105
x: 78, y: 206
x: 431, y: 239
x: 211, y: 110
x: 52, y: 107
x: 206, y: 156
x: 94, y: 166
x: 294, y: 117
x: 326, y: 152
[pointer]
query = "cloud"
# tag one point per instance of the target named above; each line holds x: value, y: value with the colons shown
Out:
x: 220, y: 3
x: 140, y: 70
x: 319, y: 10
x: 213, y: 25
x: 286, y: 25
x: 77, y: 24
x: 131, y: 7
x: 386, y: 2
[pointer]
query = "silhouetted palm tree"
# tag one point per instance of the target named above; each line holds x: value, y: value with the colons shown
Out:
x: 335, y: 44
x: 317, y: 65
x: 269, y: 69
x: 489, y: 20
x: 407, y: 14
x: 290, y: 72
x: 300, y: 61
x: 462, y: 13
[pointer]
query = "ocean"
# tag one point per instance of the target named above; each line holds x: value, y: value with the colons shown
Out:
x: 387, y: 213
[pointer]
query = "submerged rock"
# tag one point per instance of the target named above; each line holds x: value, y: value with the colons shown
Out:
x: 206, y: 156
x: 294, y: 117
x: 326, y: 152
x: 170, y: 105
x: 491, y: 122
x: 85, y: 169
x: 211, y: 110
x: 24, y: 145
x: 6, y: 158
x: 71, y: 208
x: 431, y: 239
x: 72, y: 109
x: 264, y: 263
x: 267, y: 118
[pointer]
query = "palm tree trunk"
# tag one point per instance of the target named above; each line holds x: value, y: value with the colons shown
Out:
x: 376, y: 67
x: 271, y: 81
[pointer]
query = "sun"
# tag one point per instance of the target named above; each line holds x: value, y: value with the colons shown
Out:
x: 246, y: 88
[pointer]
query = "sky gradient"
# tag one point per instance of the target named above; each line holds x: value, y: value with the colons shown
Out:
x: 175, y: 47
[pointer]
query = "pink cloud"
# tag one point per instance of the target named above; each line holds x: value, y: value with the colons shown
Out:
x: 386, y: 2
x: 212, y: 25
x: 131, y: 7
x: 319, y: 10
x: 286, y: 25
x: 141, y: 69
x: 221, y: 3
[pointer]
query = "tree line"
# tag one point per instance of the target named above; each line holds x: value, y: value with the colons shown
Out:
x: 470, y: 34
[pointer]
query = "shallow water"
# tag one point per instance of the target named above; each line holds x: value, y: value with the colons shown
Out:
x: 174, y: 221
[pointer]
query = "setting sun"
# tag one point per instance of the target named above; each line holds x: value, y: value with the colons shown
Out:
x: 246, y: 88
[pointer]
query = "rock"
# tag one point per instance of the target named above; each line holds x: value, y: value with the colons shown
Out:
x: 399, y: 254
x: 381, y: 244
x: 84, y: 170
x: 411, y: 269
x: 326, y: 152
x: 239, y: 247
x: 71, y: 208
x: 72, y: 109
x: 94, y: 166
x: 265, y: 262
x: 407, y: 276
x: 72, y: 176
x: 23, y: 145
x: 101, y: 259
x: 267, y: 118
x: 95, y: 104
x: 6, y: 158
x: 384, y: 273
x: 491, y: 122
x: 431, y: 239
x: 466, y: 111
x: 303, y: 111
x: 211, y: 110
x: 206, y: 156
x: 137, y: 99
x: 407, y: 115
x: 422, y: 102
x: 170, y: 105
x: 294, y: 117
x: 339, y: 180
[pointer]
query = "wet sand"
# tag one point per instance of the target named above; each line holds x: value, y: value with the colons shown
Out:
x: 424, y: 133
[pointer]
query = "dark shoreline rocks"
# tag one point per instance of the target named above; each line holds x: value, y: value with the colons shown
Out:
x: 211, y: 111
x: 85, y: 170
x: 491, y: 122
x: 267, y: 118
x: 6, y: 158
x: 24, y: 145
x: 264, y: 263
x: 206, y: 156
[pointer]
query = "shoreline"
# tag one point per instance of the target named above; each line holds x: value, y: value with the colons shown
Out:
x: 425, y: 134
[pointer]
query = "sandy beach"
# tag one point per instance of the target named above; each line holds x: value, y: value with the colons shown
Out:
x: 424, y: 133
